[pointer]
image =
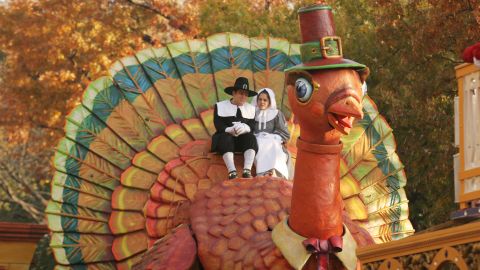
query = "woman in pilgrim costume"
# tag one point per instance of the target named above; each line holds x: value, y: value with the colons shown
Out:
x: 271, y: 132
x: 234, y: 121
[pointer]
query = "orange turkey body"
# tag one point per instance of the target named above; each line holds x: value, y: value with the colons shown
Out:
x: 233, y: 221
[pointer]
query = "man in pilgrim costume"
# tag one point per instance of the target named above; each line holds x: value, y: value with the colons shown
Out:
x: 234, y: 121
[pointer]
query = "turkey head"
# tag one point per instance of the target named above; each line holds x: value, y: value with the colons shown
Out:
x: 326, y: 102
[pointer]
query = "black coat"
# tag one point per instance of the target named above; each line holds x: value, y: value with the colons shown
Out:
x: 221, y: 123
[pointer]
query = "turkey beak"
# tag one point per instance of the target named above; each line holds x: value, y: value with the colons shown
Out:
x: 342, y: 108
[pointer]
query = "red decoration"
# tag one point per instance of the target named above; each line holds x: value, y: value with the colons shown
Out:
x: 471, y: 52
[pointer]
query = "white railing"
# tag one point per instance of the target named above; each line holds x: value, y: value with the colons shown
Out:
x: 471, y: 107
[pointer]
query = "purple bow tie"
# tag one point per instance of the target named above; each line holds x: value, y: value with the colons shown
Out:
x: 323, y: 248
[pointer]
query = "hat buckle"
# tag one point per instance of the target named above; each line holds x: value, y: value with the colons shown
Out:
x: 328, y: 51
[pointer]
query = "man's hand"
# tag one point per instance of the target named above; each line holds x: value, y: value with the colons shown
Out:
x: 231, y: 130
x: 241, y: 128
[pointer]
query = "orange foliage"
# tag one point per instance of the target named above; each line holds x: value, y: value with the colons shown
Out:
x: 54, y: 48
x: 50, y: 50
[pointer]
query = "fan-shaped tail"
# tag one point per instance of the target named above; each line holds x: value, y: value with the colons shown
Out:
x: 135, y: 151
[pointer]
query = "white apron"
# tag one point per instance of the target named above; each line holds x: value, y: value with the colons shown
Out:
x: 270, y: 154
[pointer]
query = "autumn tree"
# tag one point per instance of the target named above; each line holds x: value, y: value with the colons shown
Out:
x: 421, y: 43
x: 276, y: 18
x: 51, y: 50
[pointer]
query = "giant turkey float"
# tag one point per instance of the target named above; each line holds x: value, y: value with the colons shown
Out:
x: 136, y: 185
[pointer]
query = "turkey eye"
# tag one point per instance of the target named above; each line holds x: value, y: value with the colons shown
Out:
x: 303, y: 89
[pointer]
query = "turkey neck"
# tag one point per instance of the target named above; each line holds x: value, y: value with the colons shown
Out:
x: 316, y: 209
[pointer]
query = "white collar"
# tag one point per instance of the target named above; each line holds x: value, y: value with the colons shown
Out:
x: 226, y: 109
x: 290, y: 245
x: 263, y: 116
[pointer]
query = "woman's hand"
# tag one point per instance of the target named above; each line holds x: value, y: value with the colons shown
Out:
x: 277, y: 138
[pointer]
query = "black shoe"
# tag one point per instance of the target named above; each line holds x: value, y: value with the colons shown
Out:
x: 246, y: 173
x: 232, y: 175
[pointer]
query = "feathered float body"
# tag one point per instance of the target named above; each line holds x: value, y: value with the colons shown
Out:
x: 135, y: 181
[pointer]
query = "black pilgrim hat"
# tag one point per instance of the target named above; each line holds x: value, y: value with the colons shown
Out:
x: 241, y: 83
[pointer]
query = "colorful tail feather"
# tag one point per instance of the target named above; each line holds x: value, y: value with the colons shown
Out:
x: 135, y: 151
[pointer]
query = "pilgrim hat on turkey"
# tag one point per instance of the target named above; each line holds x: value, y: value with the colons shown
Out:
x: 241, y: 83
x: 321, y: 48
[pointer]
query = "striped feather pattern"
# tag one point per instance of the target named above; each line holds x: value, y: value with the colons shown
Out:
x: 136, y: 150
x: 372, y: 170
